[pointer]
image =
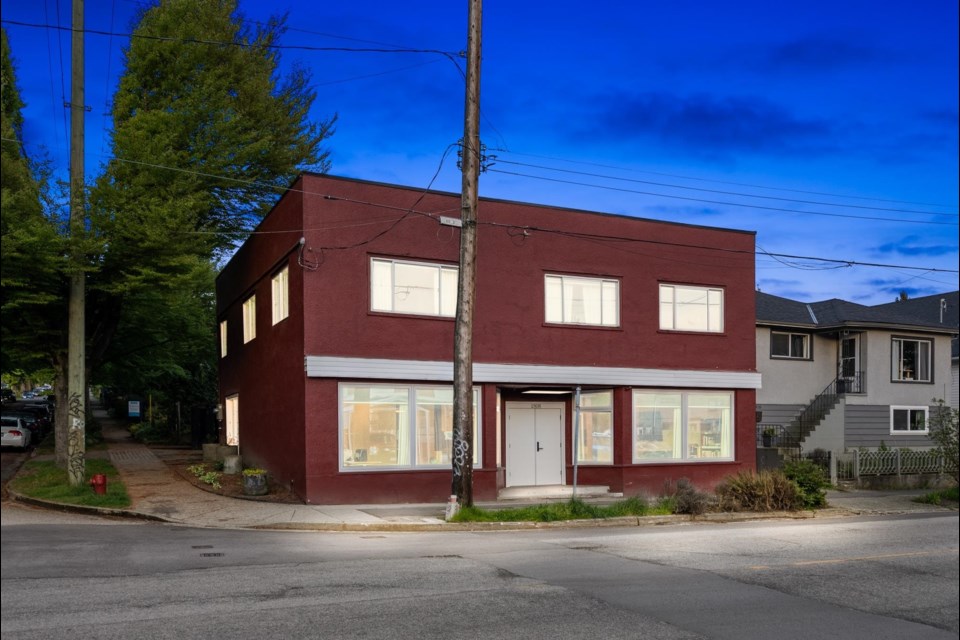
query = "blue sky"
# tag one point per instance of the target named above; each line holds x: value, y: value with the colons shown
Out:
x: 829, y: 128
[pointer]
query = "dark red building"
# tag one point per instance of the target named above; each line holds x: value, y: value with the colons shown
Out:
x: 336, y: 321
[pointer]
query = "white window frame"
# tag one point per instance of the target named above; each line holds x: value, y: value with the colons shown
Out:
x: 595, y: 410
x: 560, y: 312
x: 383, y: 295
x: 231, y: 419
x: 223, y: 338
x: 910, y: 410
x: 671, y: 310
x: 411, y: 445
x: 898, y: 373
x: 684, y: 443
x: 249, y: 318
x: 807, y: 342
x: 280, y: 295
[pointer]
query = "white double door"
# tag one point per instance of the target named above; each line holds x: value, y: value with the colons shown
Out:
x: 534, y: 443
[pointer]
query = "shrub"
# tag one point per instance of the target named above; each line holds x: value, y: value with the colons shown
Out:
x: 943, y: 431
x: 810, y: 480
x: 211, y: 478
x: 764, y: 491
x: 687, y: 499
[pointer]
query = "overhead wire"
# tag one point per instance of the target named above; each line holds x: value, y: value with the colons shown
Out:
x: 435, y: 215
x: 721, y: 202
x: 722, y: 192
x: 716, y: 181
x: 449, y: 55
x: 106, y: 78
x: 63, y: 82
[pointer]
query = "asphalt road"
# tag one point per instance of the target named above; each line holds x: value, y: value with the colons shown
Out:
x: 71, y: 576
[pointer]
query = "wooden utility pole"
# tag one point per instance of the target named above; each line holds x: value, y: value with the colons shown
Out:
x: 76, y: 334
x: 466, y: 286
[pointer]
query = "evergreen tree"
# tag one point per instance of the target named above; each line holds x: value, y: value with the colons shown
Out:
x: 31, y: 294
x: 207, y: 135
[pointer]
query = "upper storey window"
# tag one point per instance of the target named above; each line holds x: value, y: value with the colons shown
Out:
x: 686, y: 308
x: 579, y: 300
x: 417, y: 288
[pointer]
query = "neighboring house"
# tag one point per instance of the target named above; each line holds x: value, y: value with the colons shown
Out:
x: 944, y: 310
x: 841, y: 375
x: 336, y: 341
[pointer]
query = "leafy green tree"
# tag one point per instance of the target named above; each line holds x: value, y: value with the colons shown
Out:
x: 207, y: 136
x: 31, y: 287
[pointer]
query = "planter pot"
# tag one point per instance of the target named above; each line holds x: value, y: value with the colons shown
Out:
x: 255, y: 484
x: 232, y: 465
x: 767, y: 440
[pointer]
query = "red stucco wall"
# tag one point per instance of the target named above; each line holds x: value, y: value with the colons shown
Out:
x: 509, y: 319
x: 289, y: 423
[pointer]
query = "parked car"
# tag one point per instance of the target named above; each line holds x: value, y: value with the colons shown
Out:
x: 7, y: 395
x: 36, y: 424
x: 14, y: 432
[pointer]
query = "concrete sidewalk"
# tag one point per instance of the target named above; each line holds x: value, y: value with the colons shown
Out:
x: 159, y: 493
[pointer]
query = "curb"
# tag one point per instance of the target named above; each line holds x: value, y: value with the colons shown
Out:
x: 408, y: 527
x: 84, y: 509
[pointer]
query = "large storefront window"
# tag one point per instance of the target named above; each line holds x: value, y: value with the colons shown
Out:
x: 682, y: 425
x: 595, y: 442
x: 376, y: 429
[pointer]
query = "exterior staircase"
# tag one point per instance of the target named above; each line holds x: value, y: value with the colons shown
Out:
x: 786, y: 441
x: 824, y: 402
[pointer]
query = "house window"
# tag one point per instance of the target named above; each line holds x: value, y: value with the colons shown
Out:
x: 910, y: 360
x: 688, y: 426
x: 399, y: 427
x: 595, y: 441
x: 417, y: 288
x: 577, y: 300
x: 249, y: 319
x: 684, y: 308
x: 223, y: 338
x: 232, y: 419
x: 789, y: 345
x: 280, y: 295
x: 908, y: 420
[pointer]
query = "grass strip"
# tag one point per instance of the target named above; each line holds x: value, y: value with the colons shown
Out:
x: 570, y: 510
x: 44, y: 480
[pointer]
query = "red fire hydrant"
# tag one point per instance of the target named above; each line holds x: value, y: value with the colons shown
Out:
x: 99, y: 483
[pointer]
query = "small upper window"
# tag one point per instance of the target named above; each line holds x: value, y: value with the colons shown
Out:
x: 790, y: 345
x: 908, y: 420
x: 249, y: 319
x: 910, y: 361
x: 418, y: 288
x: 684, y: 308
x: 281, y: 299
x: 223, y: 338
x: 579, y: 300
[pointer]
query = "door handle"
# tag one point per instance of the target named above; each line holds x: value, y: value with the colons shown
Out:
x: 539, y: 448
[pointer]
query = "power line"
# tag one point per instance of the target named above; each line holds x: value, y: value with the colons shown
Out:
x: 722, y: 192
x: 449, y: 54
x: 715, y: 181
x: 704, y: 200
x: 435, y: 215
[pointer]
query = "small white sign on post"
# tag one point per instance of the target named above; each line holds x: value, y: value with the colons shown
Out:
x: 133, y: 408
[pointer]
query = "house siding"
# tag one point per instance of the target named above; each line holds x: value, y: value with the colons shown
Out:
x: 869, y: 426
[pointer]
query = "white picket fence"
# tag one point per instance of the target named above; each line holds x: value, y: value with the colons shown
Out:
x: 895, y: 462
